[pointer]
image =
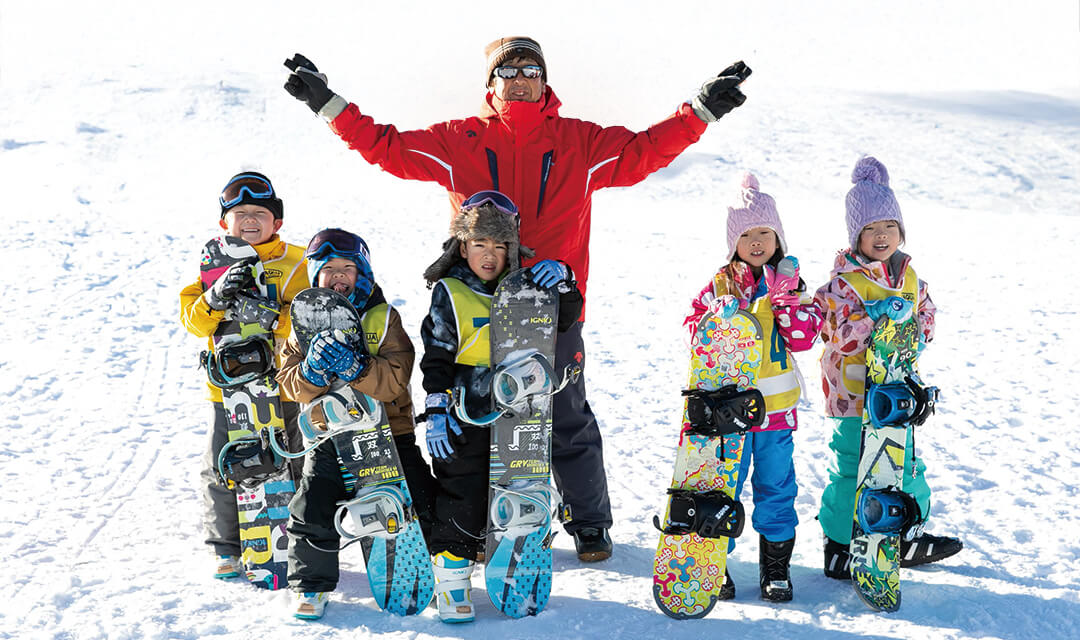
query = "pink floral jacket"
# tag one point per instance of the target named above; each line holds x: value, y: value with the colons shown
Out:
x: 847, y: 328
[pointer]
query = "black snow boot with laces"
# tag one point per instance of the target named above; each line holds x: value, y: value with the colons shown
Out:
x: 775, y: 564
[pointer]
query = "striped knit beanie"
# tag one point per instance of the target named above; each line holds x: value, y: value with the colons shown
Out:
x: 504, y: 50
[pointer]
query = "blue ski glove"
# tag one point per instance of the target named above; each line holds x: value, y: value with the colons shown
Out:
x: 225, y: 288
x: 441, y: 424
x: 548, y: 273
x: 895, y: 307
x: 316, y: 365
x: 342, y: 359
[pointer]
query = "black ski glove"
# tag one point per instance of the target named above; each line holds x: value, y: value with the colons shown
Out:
x: 221, y: 293
x: 721, y: 94
x: 307, y: 85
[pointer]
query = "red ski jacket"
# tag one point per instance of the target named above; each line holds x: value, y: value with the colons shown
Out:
x: 549, y: 165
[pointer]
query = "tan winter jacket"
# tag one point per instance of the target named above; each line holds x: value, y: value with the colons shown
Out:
x: 386, y: 378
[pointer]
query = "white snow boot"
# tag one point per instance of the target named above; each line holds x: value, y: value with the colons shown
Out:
x: 453, y: 588
x: 226, y: 566
x: 310, y: 605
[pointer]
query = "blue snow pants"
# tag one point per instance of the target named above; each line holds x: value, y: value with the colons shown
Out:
x: 773, y: 481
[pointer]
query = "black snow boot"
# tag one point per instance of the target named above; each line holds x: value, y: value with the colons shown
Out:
x: 837, y: 560
x: 926, y: 548
x: 775, y: 564
x: 727, y: 590
x: 592, y: 544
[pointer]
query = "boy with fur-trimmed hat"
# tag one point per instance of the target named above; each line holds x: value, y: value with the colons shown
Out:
x: 381, y: 369
x: 482, y: 249
x: 250, y: 210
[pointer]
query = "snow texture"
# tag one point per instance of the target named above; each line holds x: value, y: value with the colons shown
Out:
x: 120, y: 122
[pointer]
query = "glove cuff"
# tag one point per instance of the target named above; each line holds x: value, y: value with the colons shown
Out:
x: 313, y: 375
x: 701, y: 111
x: 439, y: 400
x: 333, y: 108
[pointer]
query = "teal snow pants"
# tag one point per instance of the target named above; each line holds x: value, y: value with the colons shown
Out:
x: 837, y: 510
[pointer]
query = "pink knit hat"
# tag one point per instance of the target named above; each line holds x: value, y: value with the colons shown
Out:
x: 870, y: 200
x: 758, y: 210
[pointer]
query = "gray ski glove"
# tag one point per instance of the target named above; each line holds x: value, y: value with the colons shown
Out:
x: 221, y: 293
x: 721, y: 94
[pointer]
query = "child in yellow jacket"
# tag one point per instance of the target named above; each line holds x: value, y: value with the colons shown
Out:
x: 252, y: 211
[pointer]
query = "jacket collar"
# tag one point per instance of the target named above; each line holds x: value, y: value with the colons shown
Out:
x: 461, y: 271
x: 889, y: 273
x: 521, y: 115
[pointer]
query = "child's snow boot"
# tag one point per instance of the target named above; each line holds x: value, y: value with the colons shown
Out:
x: 226, y: 566
x: 774, y: 563
x: 727, y: 590
x: 837, y: 560
x: 926, y: 548
x: 310, y: 605
x: 453, y: 588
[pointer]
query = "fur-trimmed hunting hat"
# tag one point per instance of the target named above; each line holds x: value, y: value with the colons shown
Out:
x: 870, y: 200
x: 506, y: 49
x: 758, y: 210
x: 486, y: 220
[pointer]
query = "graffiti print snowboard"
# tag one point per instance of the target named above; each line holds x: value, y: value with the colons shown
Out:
x: 242, y: 364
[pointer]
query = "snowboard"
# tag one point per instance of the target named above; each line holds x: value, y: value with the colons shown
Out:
x: 243, y: 348
x: 875, y: 557
x: 524, y: 319
x: 396, y: 555
x: 688, y: 570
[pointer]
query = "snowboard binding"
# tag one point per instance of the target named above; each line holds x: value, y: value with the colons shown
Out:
x: 724, y: 411
x: 889, y: 512
x: 342, y: 408
x: 380, y: 511
x: 515, y: 383
x: 247, y: 462
x: 710, y: 514
x: 900, y: 403
x: 238, y: 363
x: 517, y: 511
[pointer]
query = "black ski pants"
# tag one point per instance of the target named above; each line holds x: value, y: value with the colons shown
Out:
x: 461, y: 498
x: 313, y: 540
x: 577, y: 454
x: 220, y: 519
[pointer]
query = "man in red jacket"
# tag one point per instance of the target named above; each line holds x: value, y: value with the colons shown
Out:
x: 549, y: 166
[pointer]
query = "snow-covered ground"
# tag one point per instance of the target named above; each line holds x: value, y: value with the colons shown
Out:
x: 119, y: 123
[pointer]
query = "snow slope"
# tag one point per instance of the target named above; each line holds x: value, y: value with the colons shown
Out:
x: 119, y: 124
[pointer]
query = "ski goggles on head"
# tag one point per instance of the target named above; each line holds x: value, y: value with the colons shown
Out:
x: 499, y: 200
x: 254, y: 186
x: 530, y: 71
x: 336, y: 242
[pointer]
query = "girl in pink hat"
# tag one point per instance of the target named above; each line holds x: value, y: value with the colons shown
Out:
x: 867, y: 273
x: 761, y: 280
